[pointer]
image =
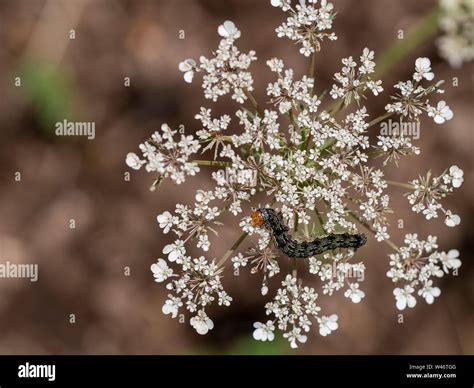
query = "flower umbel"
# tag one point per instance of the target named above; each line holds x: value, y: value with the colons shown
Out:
x: 167, y: 157
x: 415, y: 266
x: 316, y: 164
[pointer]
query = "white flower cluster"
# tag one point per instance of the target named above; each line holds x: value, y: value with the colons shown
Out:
x: 307, y: 178
x: 334, y: 271
x: 457, y: 22
x: 393, y: 148
x: 287, y: 93
x: 261, y: 259
x: 415, y: 265
x: 167, y: 157
x: 212, y: 131
x: 374, y: 202
x: 307, y: 24
x: 427, y: 191
x: 227, y: 71
x: 354, y: 81
x: 316, y: 167
x: 411, y: 101
x: 193, y: 223
x: 258, y: 131
x: 197, y: 286
x: 293, y: 307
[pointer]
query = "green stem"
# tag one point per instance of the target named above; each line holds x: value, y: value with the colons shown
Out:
x: 379, y: 119
x: 254, y: 102
x: 375, y: 154
x: 292, y: 119
x: 312, y: 69
x: 369, y: 228
x: 232, y: 249
x: 401, y: 184
x: 295, y: 268
x: 337, y: 107
x: 320, y: 219
x: 295, y: 261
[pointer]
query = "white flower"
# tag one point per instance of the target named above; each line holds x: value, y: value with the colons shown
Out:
x: 293, y: 308
x: 228, y: 70
x: 166, y: 221
x: 429, y: 190
x: 382, y: 233
x: 423, y: 69
x: 452, y: 220
x: 417, y: 264
x: 276, y: 65
x: 306, y: 24
x: 239, y: 260
x: 188, y: 67
x: 161, y: 271
x: 133, y: 161
x: 411, y: 101
x: 264, y: 332
x: 450, y: 260
x: 167, y: 156
x: 228, y: 30
x: 441, y: 113
x: 197, y: 286
x: 295, y: 335
x: 171, y: 306
x: 327, y: 324
x: 457, y: 176
x: 428, y: 292
x: 264, y: 290
x: 201, y: 323
x: 203, y: 242
x: 354, y: 293
x: 352, y: 82
x: 404, y: 297
x: 175, y: 251
x: 314, y: 265
x: 224, y: 298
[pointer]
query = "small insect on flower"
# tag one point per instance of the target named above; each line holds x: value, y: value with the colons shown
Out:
x: 295, y: 249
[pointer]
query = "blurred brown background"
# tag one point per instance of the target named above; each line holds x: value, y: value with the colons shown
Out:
x: 81, y: 271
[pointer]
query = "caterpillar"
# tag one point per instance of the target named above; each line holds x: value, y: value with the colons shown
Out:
x: 270, y: 219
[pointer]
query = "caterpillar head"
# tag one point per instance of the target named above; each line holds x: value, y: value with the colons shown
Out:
x: 258, y: 217
x: 266, y: 217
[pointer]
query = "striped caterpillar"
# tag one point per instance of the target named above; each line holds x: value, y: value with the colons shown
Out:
x: 270, y: 219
